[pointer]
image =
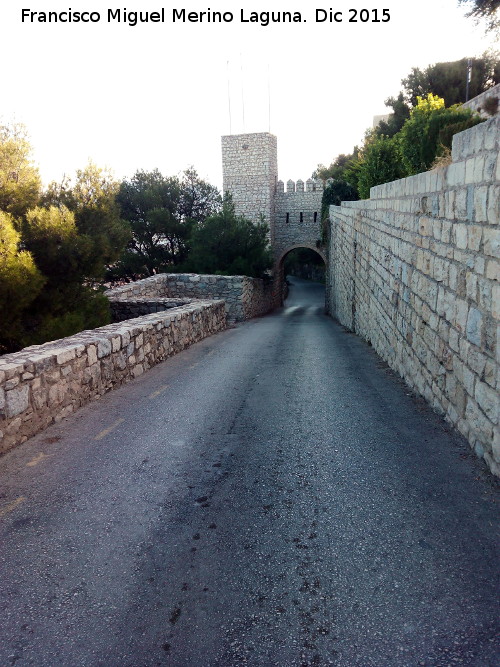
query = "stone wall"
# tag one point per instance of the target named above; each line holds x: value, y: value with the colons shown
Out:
x: 415, y: 270
x: 45, y: 383
x: 129, y: 309
x: 298, y: 216
x: 245, y: 297
x: 476, y: 104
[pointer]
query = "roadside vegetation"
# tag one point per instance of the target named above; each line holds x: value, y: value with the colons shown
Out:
x: 61, y: 246
x: 417, y: 135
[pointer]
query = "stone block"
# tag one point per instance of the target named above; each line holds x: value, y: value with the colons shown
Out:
x: 137, y: 370
x: 471, y: 285
x: 488, y: 400
x: 474, y: 322
x: 92, y: 354
x: 103, y: 348
x: 461, y: 236
x: 12, y: 383
x: 493, y: 210
x: 56, y: 394
x: 480, y: 203
x: 476, y: 360
x: 493, y: 270
x: 495, y: 300
x: 474, y: 234
x: 65, y: 355
x: 16, y: 401
x: 479, y: 166
x: 477, y: 420
x: 492, y: 242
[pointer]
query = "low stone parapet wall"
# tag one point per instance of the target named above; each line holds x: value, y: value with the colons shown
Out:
x: 129, y: 309
x: 245, y: 297
x: 43, y: 384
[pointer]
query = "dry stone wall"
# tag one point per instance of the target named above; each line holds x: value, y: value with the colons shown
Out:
x: 45, y: 383
x: 244, y: 297
x: 415, y: 270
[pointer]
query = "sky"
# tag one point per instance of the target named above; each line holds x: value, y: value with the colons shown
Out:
x: 158, y: 94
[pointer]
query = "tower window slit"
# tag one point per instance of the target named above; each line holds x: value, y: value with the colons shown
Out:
x: 288, y: 217
x: 315, y: 216
x: 301, y: 217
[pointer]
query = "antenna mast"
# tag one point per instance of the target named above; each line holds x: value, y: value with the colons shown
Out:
x: 269, y: 94
x: 229, y: 98
x: 242, y: 93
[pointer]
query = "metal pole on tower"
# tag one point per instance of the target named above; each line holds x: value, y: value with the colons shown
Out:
x: 229, y: 98
x: 242, y: 93
x: 269, y: 94
x: 469, y: 73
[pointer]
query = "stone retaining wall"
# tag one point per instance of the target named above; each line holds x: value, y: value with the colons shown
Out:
x: 476, y: 104
x: 45, y: 383
x: 245, y: 297
x: 415, y: 270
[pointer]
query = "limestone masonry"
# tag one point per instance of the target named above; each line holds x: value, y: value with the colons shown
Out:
x: 415, y: 270
x: 244, y: 297
x: 43, y: 384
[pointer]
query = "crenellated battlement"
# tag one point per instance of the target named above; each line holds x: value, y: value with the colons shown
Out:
x: 311, y: 185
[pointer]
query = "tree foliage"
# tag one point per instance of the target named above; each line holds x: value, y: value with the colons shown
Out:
x: 485, y: 9
x: 103, y: 234
x: 20, y: 183
x: 449, y: 80
x: 399, y: 116
x: 69, y: 302
x: 335, y: 192
x: 381, y: 163
x: 198, y: 199
x: 162, y: 212
x: 424, y: 135
x: 150, y: 203
x: 338, y: 168
x: 228, y: 244
x: 20, y: 283
x: 55, y: 247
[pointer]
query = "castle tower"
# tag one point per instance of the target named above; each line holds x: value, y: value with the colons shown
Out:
x: 250, y: 174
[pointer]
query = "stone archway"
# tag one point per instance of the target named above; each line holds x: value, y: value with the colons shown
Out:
x: 280, y: 262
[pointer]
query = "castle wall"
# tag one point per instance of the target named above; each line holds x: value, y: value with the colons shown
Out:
x: 297, y: 219
x: 415, y: 270
x: 250, y: 173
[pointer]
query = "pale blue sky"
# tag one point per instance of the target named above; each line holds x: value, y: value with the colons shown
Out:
x: 156, y: 95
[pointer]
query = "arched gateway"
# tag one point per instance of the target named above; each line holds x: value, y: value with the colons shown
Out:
x: 250, y: 174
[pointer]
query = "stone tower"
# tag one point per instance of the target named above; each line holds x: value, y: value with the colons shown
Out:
x: 250, y: 174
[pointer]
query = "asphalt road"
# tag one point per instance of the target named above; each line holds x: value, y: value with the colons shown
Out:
x: 273, y: 496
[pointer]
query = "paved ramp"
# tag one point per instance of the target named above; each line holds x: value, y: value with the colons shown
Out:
x: 273, y: 495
